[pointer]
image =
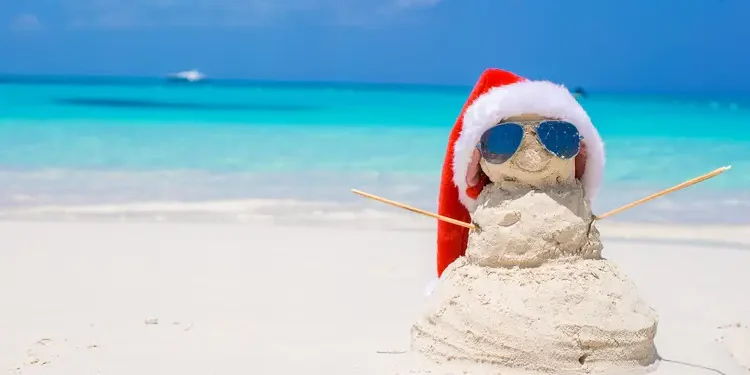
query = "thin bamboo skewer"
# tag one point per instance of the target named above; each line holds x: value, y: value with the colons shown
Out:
x: 413, y: 209
x: 683, y: 185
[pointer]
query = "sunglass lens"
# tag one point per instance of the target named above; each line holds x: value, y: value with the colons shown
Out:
x: 500, y: 143
x: 560, y: 138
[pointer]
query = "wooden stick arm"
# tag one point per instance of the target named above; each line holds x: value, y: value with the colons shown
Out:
x: 471, y: 226
x: 413, y: 209
x: 683, y: 185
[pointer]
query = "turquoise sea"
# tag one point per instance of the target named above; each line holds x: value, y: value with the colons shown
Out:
x: 116, y: 142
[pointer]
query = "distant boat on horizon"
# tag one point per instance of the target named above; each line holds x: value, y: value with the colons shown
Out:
x: 188, y: 75
x: 579, y: 92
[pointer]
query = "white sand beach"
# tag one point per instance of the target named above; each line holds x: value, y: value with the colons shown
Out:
x: 165, y: 298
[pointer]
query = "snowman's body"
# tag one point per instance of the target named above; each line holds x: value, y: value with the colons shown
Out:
x: 525, y: 227
x: 534, y: 294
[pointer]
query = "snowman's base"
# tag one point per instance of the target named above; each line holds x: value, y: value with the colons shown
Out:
x: 574, y: 316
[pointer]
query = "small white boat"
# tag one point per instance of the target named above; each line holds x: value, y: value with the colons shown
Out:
x: 188, y: 75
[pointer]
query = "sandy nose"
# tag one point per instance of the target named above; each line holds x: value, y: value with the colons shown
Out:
x: 532, y: 160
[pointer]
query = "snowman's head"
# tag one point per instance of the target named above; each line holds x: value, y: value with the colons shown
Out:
x: 530, y: 149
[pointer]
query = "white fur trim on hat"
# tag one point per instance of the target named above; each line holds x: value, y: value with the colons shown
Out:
x: 527, y: 97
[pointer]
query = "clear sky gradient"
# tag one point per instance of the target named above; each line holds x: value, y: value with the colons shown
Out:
x: 634, y: 45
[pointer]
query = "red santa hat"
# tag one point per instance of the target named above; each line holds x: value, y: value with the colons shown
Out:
x: 498, y: 95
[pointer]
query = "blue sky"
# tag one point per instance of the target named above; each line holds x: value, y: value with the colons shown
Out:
x: 640, y: 45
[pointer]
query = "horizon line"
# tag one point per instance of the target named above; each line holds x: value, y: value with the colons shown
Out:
x: 58, y: 78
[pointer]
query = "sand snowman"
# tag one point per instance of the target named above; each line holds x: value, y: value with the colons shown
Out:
x: 528, y: 291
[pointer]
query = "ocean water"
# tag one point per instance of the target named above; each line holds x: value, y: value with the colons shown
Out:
x: 135, y: 148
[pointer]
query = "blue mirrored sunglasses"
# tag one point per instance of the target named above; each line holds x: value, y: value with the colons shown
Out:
x: 560, y: 138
